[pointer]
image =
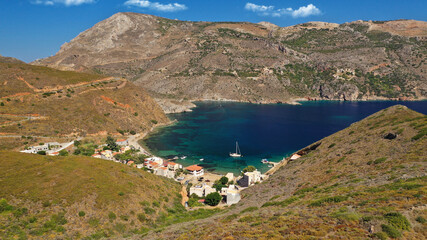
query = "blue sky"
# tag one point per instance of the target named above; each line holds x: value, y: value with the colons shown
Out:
x: 31, y: 29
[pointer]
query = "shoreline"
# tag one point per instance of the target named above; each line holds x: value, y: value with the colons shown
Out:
x: 297, y: 101
x: 293, y: 101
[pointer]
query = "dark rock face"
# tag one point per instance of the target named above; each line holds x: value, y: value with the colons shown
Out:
x: 390, y: 136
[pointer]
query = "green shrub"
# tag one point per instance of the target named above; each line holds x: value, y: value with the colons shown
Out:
x: 121, y: 193
x: 304, y: 190
x: 82, y: 214
x: 391, y: 231
x: 381, y: 235
x: 63, y: 152
x: 213, y: 199
x: 112, y: 216
x: 141, y: 217
x: 380, y: 160
x: 398, y: 221
x: 332, y: 145
x: 4, y: 206
x: 249, y: 209
x: 93, y: 222
x: 149, y: 210
x: 156, y: 204
x: 420, y: 219
x: 154, y: 121
x: 230, y: 217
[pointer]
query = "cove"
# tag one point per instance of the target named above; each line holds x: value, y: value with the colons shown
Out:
x: 271, y: 131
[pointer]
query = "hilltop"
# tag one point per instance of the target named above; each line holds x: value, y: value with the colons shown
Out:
x: 368, y: 180
x: 41, y: 101
x: 178, y: 61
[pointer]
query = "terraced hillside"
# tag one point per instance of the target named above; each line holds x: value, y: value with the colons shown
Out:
x: 41, y: 101
x: 179, y: 60
x: 366, y: 181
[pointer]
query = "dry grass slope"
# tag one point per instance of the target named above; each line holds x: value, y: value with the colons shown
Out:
x: 41, y: 101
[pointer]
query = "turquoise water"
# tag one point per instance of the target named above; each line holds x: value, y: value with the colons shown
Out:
x: 263, y: 131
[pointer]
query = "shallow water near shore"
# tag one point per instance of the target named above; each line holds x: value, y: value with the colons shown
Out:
x: 263, y: 131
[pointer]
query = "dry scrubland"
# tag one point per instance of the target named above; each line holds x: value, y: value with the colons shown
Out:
x: 43, y: 197
x: 354, y: 181
x: 40, y: 101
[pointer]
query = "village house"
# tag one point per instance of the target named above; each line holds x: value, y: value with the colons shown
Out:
x: 250, y: 178
x: 51, y: 148
x: 195, y: 170
x: 154, y: 159
x: 201, y: 190
x: 165, y: 172
x: 122, y: 142
x: 173, y: 166
x: 151, y: 165
x: 231, y: 194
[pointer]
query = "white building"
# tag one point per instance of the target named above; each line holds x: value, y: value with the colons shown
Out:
x: 195, y: 170
x: 201, y: 190
x: 250, y: 178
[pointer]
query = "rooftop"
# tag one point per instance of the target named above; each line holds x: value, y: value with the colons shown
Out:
x: 194, y: 168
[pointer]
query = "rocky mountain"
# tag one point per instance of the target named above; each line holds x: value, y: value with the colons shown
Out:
x: 41, y: 101
x: 180, y: 60
x: 366, y: 181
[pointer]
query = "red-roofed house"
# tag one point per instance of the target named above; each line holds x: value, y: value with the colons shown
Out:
x: 173, y: 166
x: 195, y: 170
x: 122, y: 142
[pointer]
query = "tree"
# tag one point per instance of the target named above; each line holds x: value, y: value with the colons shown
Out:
x: 63, y: 152
x: 223, y: 180
x: 213, y: 199
x: 111, y: 144
x: 249, y: 168
x: 41, y: 152
x: 77, y: 143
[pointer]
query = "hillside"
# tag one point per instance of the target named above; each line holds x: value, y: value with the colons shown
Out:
x: 355, y: 184
x: 180, y: 60
x: 44, y: 197
x: 41, y: 101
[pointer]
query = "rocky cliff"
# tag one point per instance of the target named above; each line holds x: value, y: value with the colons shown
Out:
x: 181, y: 60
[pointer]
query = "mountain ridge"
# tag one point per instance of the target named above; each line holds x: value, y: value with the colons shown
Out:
x: 184, y: 61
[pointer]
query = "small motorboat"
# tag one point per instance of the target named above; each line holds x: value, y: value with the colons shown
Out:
x: 202, y: 159
x: 264, y: 160
x: 183, y: 157
x: 175, y: 158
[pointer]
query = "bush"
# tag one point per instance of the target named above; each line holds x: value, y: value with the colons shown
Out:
x: 63, y: 152
x: 420, y: 219
x: 391, y: 231
x: 141, y: 217
x: 121, y: 193
x: 149, y: 210
x: 223, y: 180
x: 249, y: 209
x: 154, y: 121
x: 380, y: 160
x: 41, y: 152
x: 249, y: 169
x: 4, y: 206
x: 398, y: 221
x: 82, y: 214
x: 112, y: 216
x: 213, y: 199
x: 381, y: 235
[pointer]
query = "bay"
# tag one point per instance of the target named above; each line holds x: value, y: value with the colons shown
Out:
x: 271, y: 131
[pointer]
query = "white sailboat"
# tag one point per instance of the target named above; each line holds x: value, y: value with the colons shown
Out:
x: 237, y: 153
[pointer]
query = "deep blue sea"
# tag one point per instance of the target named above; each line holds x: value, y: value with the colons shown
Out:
x: 263, y: 131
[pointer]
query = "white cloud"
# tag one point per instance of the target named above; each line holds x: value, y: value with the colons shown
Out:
x: 64, y: 2
x: 170, y: 7
x: 303, y: 11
